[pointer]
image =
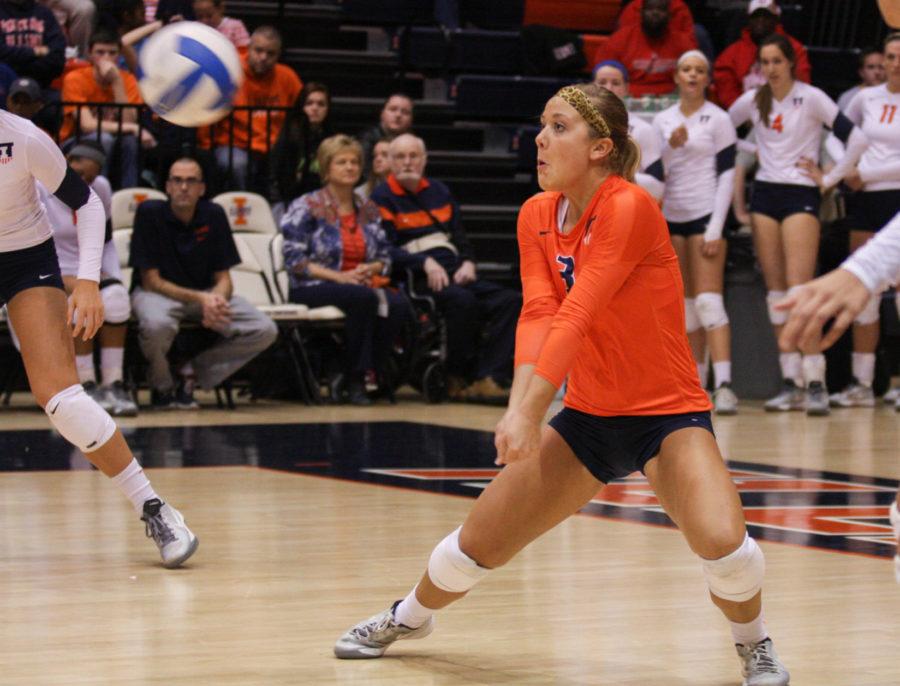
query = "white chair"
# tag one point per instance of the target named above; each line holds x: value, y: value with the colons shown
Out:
x: 122, y: 241
x: 282, y: 284
x: 125, y: 203
x: 248, y: 212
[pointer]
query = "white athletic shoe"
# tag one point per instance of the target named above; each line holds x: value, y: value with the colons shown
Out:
x: 895, y: 523
x: 817, y: 400
x: 892, y: 396
x: 791, y: 397
x: 369, y: 639
x: 165, y: 525
x: 855, y: 395
x: 123, y: 404
x: 760, y: 665
x: 98, y: 395
x: 724, y: 400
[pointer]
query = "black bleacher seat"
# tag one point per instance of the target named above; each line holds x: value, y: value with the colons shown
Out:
x: 833, y: 69
x: 520, y: 98
x: 463, y: 50
x: 525, y: 148
x: 489, y: 191
x: 387, y: 12
x: 493, y: 15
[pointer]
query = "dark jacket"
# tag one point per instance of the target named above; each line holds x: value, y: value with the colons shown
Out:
x: 294, y: 169
x: 25, y: 27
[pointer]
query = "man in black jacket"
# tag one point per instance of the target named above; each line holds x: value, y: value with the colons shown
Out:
x: 31, y: 41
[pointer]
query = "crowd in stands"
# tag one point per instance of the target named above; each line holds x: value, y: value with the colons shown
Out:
x: 360, y: 215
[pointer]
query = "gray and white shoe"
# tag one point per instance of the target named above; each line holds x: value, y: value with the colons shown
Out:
x: 855, y: 395
x: 760, y: 665
x: 369, y: 639
x: 123, y: 404
x: 724, y: 400
x: 817, y: 404
x: 892, y: 396
x: 98, y: 395
x: 165, y: 525
x: 791, y: 397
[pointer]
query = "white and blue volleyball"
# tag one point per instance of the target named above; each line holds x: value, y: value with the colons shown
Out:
x: 189, y: 74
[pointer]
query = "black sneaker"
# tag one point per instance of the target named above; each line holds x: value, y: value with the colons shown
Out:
x: 162, y: 400
x: 356, y: 395
x: 184, y: 396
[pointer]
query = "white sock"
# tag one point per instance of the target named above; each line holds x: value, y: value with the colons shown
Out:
x: 722, y: 372
x: 864, y: 368
x: 410, y: 612
x: 791, y: 365
x: 84, y: 365
x: 814, y: 368
x: 134, y: 484
x: 703, y: 373
x: 751, y: 632
x: 111, y: 360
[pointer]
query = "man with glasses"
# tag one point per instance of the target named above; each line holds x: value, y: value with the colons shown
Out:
x: 181, y: 250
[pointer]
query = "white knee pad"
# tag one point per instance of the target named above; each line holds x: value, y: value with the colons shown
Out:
x: 691, y: 321
x: 739, y: 575
x: 80, y: 420
x: 711, y: 310
x: 871, y: 313
x: 116, y: 304
x: 450, y: 569
x: 777, y: 317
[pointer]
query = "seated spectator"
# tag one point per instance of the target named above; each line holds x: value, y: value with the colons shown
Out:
x: 212, y: 13
x: 181, y: 250
x: 87, y: 158
x: 737, y: 69
x: 422, y: 220
x: 26, y: 99
x: 682, y: 21
x: 31, y: 41
x: 173, y: 10
x: 295, y: 167
x: 649, y: 50
x: 396, y: 118
x: 102, y: 82
x: 76, y: 17
x: 871, y: 73
x: 266, y: 84
x: 381, y: 167
x: 336, y: 253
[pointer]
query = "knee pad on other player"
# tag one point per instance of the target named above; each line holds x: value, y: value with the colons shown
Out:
x: 895, y: 519
x: 711, y: 310
x: 739, y: 575
x: 777, y: 317
x: 116, y: 304
x: 871, y: 313
x: 450, y: 569
x: 691, y: 321
x: 79, y: 419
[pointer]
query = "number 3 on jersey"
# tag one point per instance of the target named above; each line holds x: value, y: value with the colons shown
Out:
x: 567, y: 273
x: 778, y: 124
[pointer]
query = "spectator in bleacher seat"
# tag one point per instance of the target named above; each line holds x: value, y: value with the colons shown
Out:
x: 613, y: 76
x: 101, y: 82
x: 422, y: 221
x: 212, y: 13
x: 381, y: 167
x: 294, y: 164
x: 267, y: 83
x: 182, y: 250
x: 31, y: 40
x: 336, y: 253
x: 871, y: 73
x: 76, y: 18
x: 26, y: 99
x: 737, y: 69
x: 174, y: 10
x: 396, y: 118
x: 649, y: 50
x: 681, y: 21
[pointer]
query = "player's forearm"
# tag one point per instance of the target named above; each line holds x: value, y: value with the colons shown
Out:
x: 537, y: 398
x: 170, y: 290
x: 91, y: 224
x: 521, y: 378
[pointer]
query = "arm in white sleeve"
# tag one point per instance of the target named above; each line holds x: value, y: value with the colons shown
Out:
x: 742, y: 108
x: 834, y: 148
x: 91, y: 224
x: 652, y: 185
x: 724, y: 193
x: 856, y: 146
x: 883, y: 172
x: 877, y: 263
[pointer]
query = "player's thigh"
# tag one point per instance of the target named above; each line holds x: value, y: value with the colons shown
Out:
x: 769, y: 251
x: 39, y: 318
x: 707, y: 273
x: 693, y: 485
x: 800, y: 237
x: 679, y: 244
x: 527, y: 499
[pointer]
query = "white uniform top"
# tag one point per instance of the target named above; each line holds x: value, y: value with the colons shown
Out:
x: 794, y: 131
x: 64, y: 223
x: 877, y: 112
x: 877, y: 263
x: 691, y: 172
x: 648, y: 141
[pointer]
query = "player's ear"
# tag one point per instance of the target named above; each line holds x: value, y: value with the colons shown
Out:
x: 601, y: 148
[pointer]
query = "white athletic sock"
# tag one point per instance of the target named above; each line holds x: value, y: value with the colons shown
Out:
x: 791, y: 366
x: 703, y: 373
x: 751, y: 632
x: 410, y: 612
x: 84, y: 365
x: 722, y: 372
x: 111, y: 360
x: 814, y: 368
x: 864, y: 368
x: 134, y: 484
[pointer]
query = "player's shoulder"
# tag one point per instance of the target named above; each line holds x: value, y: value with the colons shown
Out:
x: 14, y: 125
x: 638, y: 122
x: 539, y: 208
x: 807, y: 90
x: 668, y: 114
x: 625, y: 196
x: 714, y: 111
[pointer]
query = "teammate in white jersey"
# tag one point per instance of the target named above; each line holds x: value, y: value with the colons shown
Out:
x: 32, y: 288
x: 612, y: 75
x: 788, y: 117
x: 699, y: 146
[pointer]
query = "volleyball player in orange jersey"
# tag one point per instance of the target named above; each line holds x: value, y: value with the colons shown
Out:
x: 603, y: 307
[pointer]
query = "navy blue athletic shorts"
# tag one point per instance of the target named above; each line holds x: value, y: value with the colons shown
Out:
x: 614, y: 447
x: 691, y: 228
x: 871, y: 210
x: 780, y: 200
x: 32, y: 267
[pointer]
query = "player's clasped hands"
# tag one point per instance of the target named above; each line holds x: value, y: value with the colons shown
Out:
x: 85, y: 309
x: 516, y: 437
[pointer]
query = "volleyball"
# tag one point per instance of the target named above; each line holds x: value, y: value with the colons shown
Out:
x: 890, y: 9
x: 189, y: 74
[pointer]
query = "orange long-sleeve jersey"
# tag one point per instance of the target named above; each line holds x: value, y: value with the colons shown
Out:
x: 604, y: 305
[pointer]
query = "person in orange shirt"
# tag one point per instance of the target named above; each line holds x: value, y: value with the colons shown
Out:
x: 243, y: 141
x: 103, y: 81
x: 602, y: 307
